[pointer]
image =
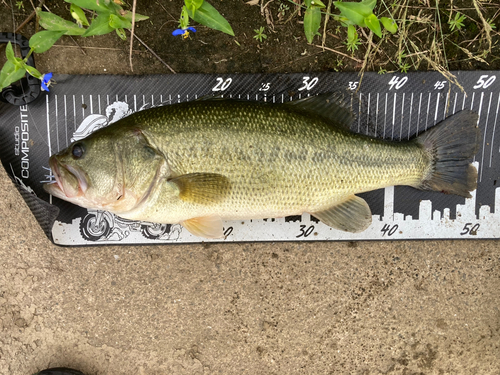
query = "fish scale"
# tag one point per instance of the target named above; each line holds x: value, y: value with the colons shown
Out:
x: 281, y: 172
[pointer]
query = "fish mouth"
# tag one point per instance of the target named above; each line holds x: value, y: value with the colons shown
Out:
x: 70, y: 182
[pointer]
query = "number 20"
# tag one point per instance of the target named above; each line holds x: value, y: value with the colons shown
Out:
x: 221, y: 84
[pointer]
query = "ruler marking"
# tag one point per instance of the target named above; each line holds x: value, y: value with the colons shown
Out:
x: 99, y: 103
x: 479, y: 115
x: 48, y: 124
x: 402, y: 117
x: 57, y: 122
x: 419, y: 108
x: 66, y: 119
x: 83, y: 108
x: 376, y: 116
x: 368, y: 114
x: 446, y: 105
x: 409, y: 120
x: 359, y: 111
x: 455, y: 103
x: 484, y: 138
x: 393, y: 116
x: 385, y: 117
x: 74, y: 113
x: 480, y: 107
x: 494, y: 127
x: 437, y: 108
x: 428, y: 109
x: 91, y: 104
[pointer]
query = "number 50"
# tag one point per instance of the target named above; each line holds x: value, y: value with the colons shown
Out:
x: 485, y: 82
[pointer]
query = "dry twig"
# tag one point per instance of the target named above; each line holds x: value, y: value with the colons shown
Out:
x: 338, y: 52
x: 132, y: 36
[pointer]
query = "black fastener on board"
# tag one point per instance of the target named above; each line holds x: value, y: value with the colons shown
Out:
x: 28, y: 88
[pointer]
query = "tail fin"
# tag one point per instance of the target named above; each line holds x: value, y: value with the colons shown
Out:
x: 450, y: 145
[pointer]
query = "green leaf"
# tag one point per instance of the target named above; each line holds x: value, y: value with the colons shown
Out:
x: 43, y: 40
x: 364, y: 8
x: 184, y: 20
x: 9, y: 52
x: 117, y: 22
x: 352, y: 15
x: 312, y: 22
x: 352, y: 38
x: 99, y: 7
x: 138, y: 17
x: 317, y: 3
x: 32, y: 71
x: 121, y: 34
x: 193, y: 5
x: 369, y: 4
x: 373, y: 24
x: 52, y: 22
x: 10, y: 73
x: 356, y: 12
x: 99, y: 26
x: 209, y: 16
x: 389, y: 24
x: 352, y: 34
x: 79, y: 15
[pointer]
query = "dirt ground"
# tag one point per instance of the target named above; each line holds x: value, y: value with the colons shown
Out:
x: 419, y: 307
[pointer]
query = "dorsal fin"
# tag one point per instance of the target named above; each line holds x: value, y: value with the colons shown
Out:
x: 333, y: 107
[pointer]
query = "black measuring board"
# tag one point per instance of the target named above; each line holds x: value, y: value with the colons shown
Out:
x: 391, y: 106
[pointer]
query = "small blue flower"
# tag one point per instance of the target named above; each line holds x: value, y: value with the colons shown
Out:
x: 184, y: 32
x: 46, y: 81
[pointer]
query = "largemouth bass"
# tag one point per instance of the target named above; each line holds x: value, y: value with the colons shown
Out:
x: 202, y: 162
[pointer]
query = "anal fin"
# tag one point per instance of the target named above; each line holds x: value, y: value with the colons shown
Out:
x: 353, y: 215
x: 206, y: 226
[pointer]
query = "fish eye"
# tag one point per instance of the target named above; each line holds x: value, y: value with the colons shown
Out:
x: 77, y: 151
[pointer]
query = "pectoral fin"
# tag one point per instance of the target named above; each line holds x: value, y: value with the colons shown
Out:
x: 207, y: 226
x: 202, y: 188
x: 353, y: 215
